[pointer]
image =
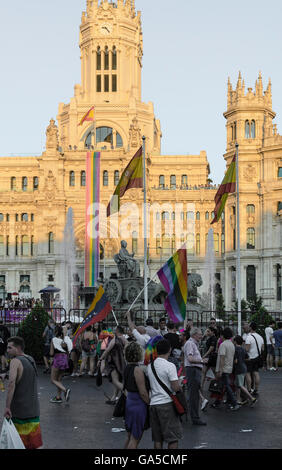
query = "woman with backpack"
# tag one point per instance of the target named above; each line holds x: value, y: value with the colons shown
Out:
x: 60, y: 349
x: 88, y: 348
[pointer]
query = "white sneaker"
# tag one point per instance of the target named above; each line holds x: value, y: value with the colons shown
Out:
x: 204, y: 404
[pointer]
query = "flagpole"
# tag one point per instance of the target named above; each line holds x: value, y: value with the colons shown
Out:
x: 238, y: 260
x: 145, y: 232
x: 141, y: 292
x: 115, y: 317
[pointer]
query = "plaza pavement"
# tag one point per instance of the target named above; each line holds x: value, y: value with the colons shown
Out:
x: 86, y: 421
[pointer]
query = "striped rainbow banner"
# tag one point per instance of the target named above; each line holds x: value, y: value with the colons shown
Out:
x: 92, y: 240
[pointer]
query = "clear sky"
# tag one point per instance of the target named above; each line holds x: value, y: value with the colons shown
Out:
x: 190, y: 49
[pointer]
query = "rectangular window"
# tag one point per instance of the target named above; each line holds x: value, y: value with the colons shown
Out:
x: 251, y: 282
x: 99, y: 83
x: 280, y: 172
x: 7, y: 245
x: 106, y: 60
x: 106, y: 83
x: 114, y: 83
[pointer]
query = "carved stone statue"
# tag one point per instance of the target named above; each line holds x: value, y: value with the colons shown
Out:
x: 52, y: 140
x: 127, y: 265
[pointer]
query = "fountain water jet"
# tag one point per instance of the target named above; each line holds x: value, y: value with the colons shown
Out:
x: 69, y: 259
x: 209, y: 273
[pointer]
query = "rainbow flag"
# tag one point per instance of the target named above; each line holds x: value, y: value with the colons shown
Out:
x: 89, y: 116
x: 97, y: 312
x: 227, y: 186
x: 151, y: 350
x: 92, y: 239
x: 132, y: 177
x: 173, y: 275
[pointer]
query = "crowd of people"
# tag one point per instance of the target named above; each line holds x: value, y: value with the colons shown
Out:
x: 214, y: 367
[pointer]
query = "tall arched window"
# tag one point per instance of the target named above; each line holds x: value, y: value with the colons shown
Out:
x: 16, y: 245
x: 165, y: 215
x: 198, y: 215
x: 105, y: 178
x: 114, y: 58
x: 72, y: 178
x: 253, y: 129
x: 134, y: 242
x: 24, y: 183
x: 198, y: 244
x: 250, y: 209
x: 247, y: 130
x: 172, y: 182
x: 51, y: 243
x: 82, y: 178
x: 106, y: 59
x: 35, y: 183
x: 161, y: 181
x: 7, y: 245
x: 207, y: 215
x: 116, y: 178
x: 13, y: 183
x: 24, y: 217
x: 280, y: 172
x: 251, y: 242
x: 25, y: 246
x: 184, y: 180
x: 1, y: 217
x: 216, y: 242
x: 98, y: 57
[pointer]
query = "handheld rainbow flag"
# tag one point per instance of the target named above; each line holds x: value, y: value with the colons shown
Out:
x: 151, y: 349
x: 227, y: 186
x: 92, y: 239
x: 89, y: 116
x: 173, y: 275
x: 97, y: 312
x: 132, y: 177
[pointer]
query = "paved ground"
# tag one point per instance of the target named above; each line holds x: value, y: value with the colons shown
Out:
x: 86, y: 421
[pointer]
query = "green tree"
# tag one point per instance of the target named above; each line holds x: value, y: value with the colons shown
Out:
x: 220, y: 306
x: 31, y: 330
x: 259, y: 314
x: 244, y: 308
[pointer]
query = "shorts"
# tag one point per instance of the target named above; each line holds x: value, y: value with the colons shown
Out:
x: 61, y: 361
x: 239, y: 380
x: 278, y: 352
x: 270, y: 349
x: 88, y: 354
x: 165, y: 423
x: 253, y: 365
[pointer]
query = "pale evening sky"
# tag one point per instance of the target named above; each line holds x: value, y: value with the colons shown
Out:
x: 190, y: 49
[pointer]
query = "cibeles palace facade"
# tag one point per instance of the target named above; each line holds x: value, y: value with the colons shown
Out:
x: 36, y: 192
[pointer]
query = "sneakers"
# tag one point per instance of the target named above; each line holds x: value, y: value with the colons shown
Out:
x: 273, y: 368
x: 67, y: 394
x: 204, y: 404
x: 244, y: 402
x: 56, y: 400
x: 253, y: 402
x: 254, y: 393
x: 234, y: 408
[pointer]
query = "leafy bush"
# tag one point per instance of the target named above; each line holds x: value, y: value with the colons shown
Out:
x: 31, y: 330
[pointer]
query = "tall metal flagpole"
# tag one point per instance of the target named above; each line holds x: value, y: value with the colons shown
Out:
x: 145, y: 232
x: 238, y: 260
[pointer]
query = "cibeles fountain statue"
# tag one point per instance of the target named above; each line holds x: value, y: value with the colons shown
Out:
x: 123, y: 290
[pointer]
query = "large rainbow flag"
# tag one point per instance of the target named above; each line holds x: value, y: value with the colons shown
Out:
x: 173, y: 275
x: 227, y: 186
x: 132, y: 177
x: 97, y: 312
x: 92, y: 240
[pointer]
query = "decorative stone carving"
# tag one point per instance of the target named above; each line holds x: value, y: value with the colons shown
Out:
x: 52, y: 139
x: 249, y: 173
x: 50, y: 187
x: 51, y: 223
x: 135, y: 137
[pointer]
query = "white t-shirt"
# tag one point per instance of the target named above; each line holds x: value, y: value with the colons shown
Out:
x: 253, y: 351
x: 268, y: 333
x: 141, y: 339
x: 167, y: 373
x: 58, y: 341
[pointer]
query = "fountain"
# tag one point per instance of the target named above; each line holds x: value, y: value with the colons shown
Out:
x: 209, y: 272
x: 69, y: 259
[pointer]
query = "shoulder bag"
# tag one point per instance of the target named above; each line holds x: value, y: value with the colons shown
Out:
x: 178, y: 398
x: 260, y: 357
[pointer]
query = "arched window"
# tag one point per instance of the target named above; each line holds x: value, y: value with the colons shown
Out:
x: 35, y: 183
x: 116, y: 178
x: 253, y: 129
x: 216, y: 242
x: 184, y: 180
x: 2, y: 251
x: 250, y: 209
x: 198, y: 215
x: 24, y: 246
x: 247, y: 130
x: 24, y: 217
x: 172, y: 182
x: 98, y: 56
x: 198, y: 244
x: 106, y: 59
x: 1, y: 217
x: 119, y: 141
x: 251, y: 242
x: 82, y: 178
x: 24, y: 183
x: 114, y: 58
x: 161, y: 181
x: 104, y: 134
x: 165, y: 215
x: 13, y: 183
x: 72, y: 178
x: 134, y: 242
x: 207, y: 215
x: 280, y: 172
x: 105, y: 178
x: 51, y: 243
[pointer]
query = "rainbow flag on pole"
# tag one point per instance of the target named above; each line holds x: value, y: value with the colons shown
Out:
x: 97, y: 312
x: 92, y: 240
x: 132, y: 177
x: 173, y: 275
x: 89, y: 116
x: 227, y: 186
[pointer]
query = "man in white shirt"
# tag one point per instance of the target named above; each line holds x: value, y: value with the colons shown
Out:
x: 270, y: 345
x: 254, y: 346
x: 165, y: 423
x: 138, y: 332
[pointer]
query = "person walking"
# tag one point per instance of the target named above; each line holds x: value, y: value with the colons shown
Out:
x: 224, y: 366
x: 61, y: 347
x: 137, y: 399
x: 48, y: 334
x: 22, y: 404
x: 193, y: 366
x: 254, y: 345
x: 88, y: 347
x: 240, y: 370
x: 270, y: 345
x: 165, y: 423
